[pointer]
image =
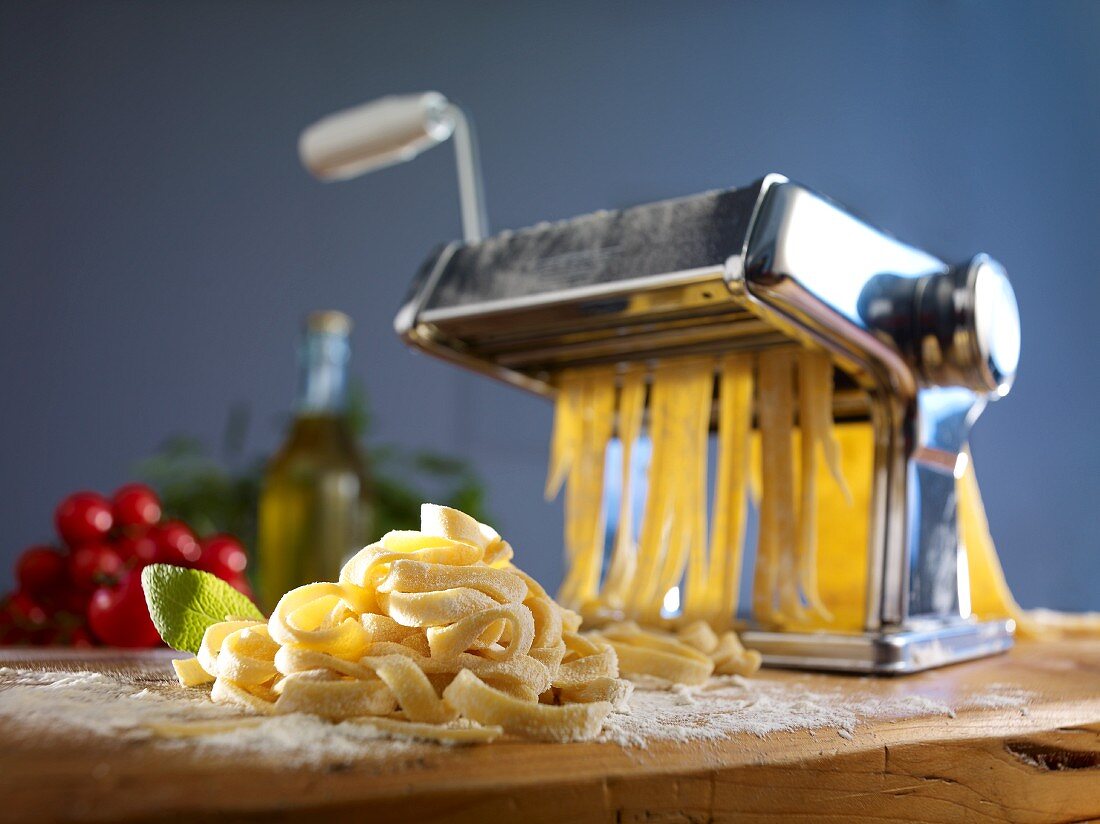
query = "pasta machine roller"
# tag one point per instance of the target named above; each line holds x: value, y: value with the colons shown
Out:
x: 919, y: 347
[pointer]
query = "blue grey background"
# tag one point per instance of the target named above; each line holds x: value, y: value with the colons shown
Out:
x: 159, y: 242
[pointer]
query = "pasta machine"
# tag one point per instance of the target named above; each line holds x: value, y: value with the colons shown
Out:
x: 919, y: 346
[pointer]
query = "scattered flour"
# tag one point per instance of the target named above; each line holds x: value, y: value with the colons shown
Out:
x: 38, y: 704
x: 1000, y: 697
x: 34, y: 703
x: 731, y: 705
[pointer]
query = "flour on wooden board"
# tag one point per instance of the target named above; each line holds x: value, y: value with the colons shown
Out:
x: 102, y: 705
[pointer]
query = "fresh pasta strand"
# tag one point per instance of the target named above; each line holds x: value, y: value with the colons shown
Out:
x: 688, y: 657
x: 728, y: 520
x: 842, y: 530
x: 674, y: 520
x: 584, y: 488
x: 565, y: 438
x: 624, y: 561
x: 990, y: 594
x: 655, y: 518
x: 775, y: 597
x: 543, y: 722
x: 815, y: 377
x: 441, y: 734
x: 698, y: 395
x: 674, y: 552
x: 656, y: 654
x: 822, y: 411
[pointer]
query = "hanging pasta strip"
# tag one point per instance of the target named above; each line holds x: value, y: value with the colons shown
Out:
x: 814, y: 375
x: 701, y: 549
x: 564, y: 442
x: 728, y: 520
x: 774, y: 584
x: 674, y: 557
x: 620, y: 573
x: 718, y: 551
x: 599, y: 435
x: 574, y: 497
x: 585, y: 491
x: 655, y: 516
x: 821, y: 369
x: 784, y: 479
x: 689, y: 383
x: 700, y: 566
x: 991, y: 595
x: 565, y: 456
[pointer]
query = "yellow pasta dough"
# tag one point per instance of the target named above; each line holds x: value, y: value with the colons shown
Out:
x: 689, y: 656
x: 425, y: 633
x: 813, y: 483
x: 673, y: 557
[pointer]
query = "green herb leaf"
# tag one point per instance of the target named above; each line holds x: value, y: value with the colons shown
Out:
x: 184, y: 602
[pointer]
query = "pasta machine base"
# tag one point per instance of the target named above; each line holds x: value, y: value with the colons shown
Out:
x: 882, y: 653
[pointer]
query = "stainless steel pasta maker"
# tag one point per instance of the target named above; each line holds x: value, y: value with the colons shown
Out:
x: 920, y: 346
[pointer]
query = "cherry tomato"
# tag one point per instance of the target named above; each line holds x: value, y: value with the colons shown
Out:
x: 93, y: 565
x: 223, y: 555
x: 240, y: 583
x: 40, y: 570
x: 83, y: 517
x: 136, y: 505
x: 48, y: 636
x: 119, y: 617
x: 74, y: 601
x: 137, y: 549
x: 13, y: 635
x: 176, y: 544
x: 10, y: 633
x: 80, y: 637
x: 25, y: 612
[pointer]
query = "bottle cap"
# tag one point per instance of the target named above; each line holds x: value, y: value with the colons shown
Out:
x: 329, y: 322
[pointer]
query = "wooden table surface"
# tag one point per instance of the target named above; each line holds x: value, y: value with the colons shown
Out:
x: 982, y: 765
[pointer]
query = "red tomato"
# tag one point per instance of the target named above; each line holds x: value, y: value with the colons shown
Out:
x: 94, y: 564
x: 25, y: 612
x: 176, y: 544
x: 136, y: 505
x: 223, y: 555
x: 48, y: 636
x: 10, y: 634
x: 240, y: 583
x: 80, y: 637
x: 83, y: 517
x: 74, y: 600
x: 119, y: 617
x: 137, y: 549
x: 40, y: 570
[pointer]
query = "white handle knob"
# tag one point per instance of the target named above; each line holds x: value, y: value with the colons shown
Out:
x: 381, y: 133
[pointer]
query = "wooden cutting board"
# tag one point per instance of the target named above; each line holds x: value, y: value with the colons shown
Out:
x: 982, y: 765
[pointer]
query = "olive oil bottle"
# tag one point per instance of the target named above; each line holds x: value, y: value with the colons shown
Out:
x: 315, y: 503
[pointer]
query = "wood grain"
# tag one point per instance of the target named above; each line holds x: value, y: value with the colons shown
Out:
x: 982, y: 765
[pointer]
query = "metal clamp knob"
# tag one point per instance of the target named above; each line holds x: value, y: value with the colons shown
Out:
x: 959, y: 327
